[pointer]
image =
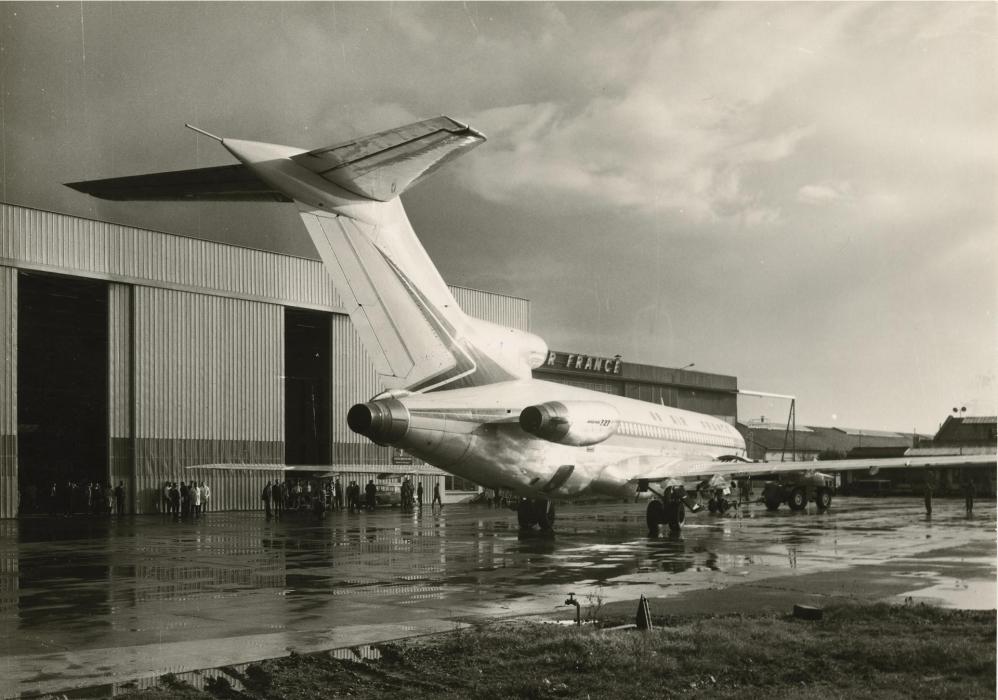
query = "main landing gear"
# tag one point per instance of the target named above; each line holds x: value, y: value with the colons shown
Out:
x: 535, y: 511
x: 667, y: 508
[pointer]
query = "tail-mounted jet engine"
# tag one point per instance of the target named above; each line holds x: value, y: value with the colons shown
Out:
x: 571, y: 422
x: 382, y: 421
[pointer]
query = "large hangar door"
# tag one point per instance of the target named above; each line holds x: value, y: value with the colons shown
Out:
x: 306, y: 386
x: 62, y: 384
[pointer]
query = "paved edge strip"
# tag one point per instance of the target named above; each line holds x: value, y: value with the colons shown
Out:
x: 41, y: 674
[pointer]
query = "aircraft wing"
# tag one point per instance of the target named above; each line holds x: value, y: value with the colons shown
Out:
x: 685, y: 468
x: 226, y: 183
x: 383, y: 165
x: 242, y: 466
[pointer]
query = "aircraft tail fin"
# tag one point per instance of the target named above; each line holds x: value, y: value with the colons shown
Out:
x: 417, y: 336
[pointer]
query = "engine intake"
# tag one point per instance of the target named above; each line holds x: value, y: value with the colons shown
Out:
x: 384, y: 421
x: 571, y: 422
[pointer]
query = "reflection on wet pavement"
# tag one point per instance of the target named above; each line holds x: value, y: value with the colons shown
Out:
x: 73, y: 584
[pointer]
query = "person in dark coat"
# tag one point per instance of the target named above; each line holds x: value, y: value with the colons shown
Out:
x: 175, y: 500
x: 267, y: 497
x: 436, y: 496
x: 968, y: 494
x: 930, y: 482
x: 371, y: 491
x: 185, y: 500
x: 278, y: 494
x: 353, y: 496
x: 119, y: 498
x: 419, y: 495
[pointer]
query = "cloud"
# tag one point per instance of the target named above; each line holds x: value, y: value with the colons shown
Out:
x: 824, y: 193
x: 657, y: 139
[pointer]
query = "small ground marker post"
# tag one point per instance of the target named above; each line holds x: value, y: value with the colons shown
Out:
x: 643, y: 620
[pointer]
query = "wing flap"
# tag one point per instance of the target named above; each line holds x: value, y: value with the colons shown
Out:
x: 685, y: 468
x: 383, y: 165
x: 226, y: 183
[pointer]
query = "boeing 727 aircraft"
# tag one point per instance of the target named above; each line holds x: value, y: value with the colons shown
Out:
x: 459, y: 393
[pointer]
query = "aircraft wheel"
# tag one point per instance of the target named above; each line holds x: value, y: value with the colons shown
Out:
x: 722, y: 506
x: 544, y: 514
x: 655, y: 516
x: 675, y: 514
x: 824, y: 499
x: 712, y: 506
x: 798, y: 499
x: 525, y: 515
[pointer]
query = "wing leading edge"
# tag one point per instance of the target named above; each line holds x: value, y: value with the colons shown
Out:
x: 679, y: 469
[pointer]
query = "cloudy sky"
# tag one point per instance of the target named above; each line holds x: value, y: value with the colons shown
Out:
x: 801, y: 195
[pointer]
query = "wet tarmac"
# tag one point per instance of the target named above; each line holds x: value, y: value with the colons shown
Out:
x: 88, y: 601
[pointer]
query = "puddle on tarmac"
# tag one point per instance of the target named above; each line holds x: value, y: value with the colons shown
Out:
x: 972, y: 594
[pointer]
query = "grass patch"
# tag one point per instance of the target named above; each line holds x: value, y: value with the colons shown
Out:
x: 856, y: 651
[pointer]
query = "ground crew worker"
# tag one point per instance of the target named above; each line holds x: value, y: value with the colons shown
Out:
x: 266, y: 497
x: 436, y: 496
x: 175, y: 501
x: 419, y: 495
x: 353, y: 496
x: 968, y: 495
x: 371, y: 491
x: 929, y: 482
x: 278, y: 494
x: 119, y: 498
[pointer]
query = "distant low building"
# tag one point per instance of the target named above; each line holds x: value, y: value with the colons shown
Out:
x: 958, y: 435
x: 773, y: 442
x: 961, y: 435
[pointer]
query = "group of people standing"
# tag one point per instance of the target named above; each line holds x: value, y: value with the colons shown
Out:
x: 76, y: 498
x: 280, y: 496
x: 301, y: 495
x: 187, y: 500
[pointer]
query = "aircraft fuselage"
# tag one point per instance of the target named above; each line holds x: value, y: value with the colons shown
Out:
x: 476, y: 433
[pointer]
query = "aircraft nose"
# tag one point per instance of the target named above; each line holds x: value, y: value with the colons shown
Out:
x: 384, y: 421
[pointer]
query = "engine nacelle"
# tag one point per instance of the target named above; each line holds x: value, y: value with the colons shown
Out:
x: 571, y: 422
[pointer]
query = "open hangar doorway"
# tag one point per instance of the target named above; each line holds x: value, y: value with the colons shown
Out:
x: 306, y: 386
x: 62, y: 389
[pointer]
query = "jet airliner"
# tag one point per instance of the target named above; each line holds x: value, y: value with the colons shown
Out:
x: 458, y: 390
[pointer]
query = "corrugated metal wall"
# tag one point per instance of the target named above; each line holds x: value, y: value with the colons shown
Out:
x: 51, y: 242
x: 8, y: 392
x: 353, y: 379
x: 504, y: 310
x: 208, y: 389
x: 119, y: 387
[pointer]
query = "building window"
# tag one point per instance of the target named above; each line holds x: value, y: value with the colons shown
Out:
x: 456, y: 483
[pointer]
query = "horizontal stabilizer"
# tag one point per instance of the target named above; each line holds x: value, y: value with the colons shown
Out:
x: 226, y: 183
x: 382, y: 166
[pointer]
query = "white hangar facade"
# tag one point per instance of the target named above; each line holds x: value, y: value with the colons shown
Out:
x: 128, y: 355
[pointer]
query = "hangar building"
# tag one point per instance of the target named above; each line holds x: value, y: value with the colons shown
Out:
x: 128, y: 355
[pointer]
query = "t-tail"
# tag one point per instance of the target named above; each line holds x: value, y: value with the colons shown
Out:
x: 348, y: 197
